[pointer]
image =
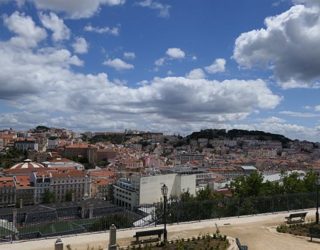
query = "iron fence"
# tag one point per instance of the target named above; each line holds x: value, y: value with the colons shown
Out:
x: 61, y: 222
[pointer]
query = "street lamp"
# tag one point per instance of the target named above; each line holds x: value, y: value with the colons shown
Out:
x: 317, y: 186
x: 164, y: 191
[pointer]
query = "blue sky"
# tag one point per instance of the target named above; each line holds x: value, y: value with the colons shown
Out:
x: 171, y: 66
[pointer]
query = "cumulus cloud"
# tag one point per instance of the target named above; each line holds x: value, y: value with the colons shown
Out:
x: 75, y: 9
x: 307, y: 2
x: 159, y: 62
x: 41, y: 81
x: 299, y: 114
x: 80, y: 45
x: 129, y: 55
x: 289, y: 46
x: 28, y: 34
x: 118, y: 64
x: 164, y: 9
x: 196, y: 74
x: 102, y: 30
x: 317, y: 108
x: 25, y: 72
x: 273, y: 119
x: 219, y: 65
x: 175, y: 53
x: 56, y: 25
x: 171, y: 54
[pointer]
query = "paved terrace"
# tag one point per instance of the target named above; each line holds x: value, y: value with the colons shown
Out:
x: 258, y: 232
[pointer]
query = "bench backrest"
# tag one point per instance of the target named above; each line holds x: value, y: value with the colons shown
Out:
x: 150, y: 232
x: 314, y: 231
x: 298, y: 215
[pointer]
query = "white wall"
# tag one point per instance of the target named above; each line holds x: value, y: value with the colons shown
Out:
x: 150, y: 186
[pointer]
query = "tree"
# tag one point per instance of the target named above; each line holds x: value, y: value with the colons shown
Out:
x: 48, y: 197
x: 246, y: 186
x: 68, y: 196
x: 293, y: 184
x: 310, y: 181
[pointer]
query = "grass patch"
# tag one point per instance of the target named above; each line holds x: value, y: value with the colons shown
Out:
x: 51, y: 228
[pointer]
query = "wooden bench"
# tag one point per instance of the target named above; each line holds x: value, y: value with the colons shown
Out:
x: 157, y: 232
x: 301, y: 217
x: 241, y: 247
x: 314, y: 232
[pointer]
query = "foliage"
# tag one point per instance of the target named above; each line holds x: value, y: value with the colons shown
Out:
x: 11, y: 157
x: 48, y: 197
x: 299, y: 229
x: 119, y: 220
x: 253, y: 185
x: 68, y: 196
x: 250, y: 196
x: 113, y: 138
x: 216, y: 242
x: 42, y: 128
x: 236, y: 133
x: 283, y: 228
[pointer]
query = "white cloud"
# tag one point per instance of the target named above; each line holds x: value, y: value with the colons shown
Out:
x: 28, y: 34
x: 103, y: 30
x: 129, y: 55
x: 75, y: 9
x: 307, y: 2
x: 171, y: 54
x: 118, y: 64
x: 299, y: 114
x: 43, y: 85
x: 164, y: 9
x: 80, y: 45
x: 273, y: 119
x: 159, y: 62
x: 317, y: 108
x: 37, y: 79
x: 196, y: 74
x: 289, y: 46
x: 219, y: 65
x: 170, y: 73
x: 176, y: 53
x: 56, y: 25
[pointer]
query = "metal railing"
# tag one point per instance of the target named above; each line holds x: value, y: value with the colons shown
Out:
x: 44, y: 224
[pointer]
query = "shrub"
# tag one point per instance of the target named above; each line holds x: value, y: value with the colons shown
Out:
x: 282, y: 228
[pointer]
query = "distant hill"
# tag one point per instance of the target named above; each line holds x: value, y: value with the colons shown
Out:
x: 236, y: 133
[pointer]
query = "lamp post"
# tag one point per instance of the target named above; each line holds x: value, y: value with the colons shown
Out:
x: 164, y: 191
x: 317, y: 186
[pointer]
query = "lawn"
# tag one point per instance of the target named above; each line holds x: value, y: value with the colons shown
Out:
x: 51, y: 228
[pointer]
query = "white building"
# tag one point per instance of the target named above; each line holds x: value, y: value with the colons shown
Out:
x: 53, y: 143
x: 138, y: 190
x: 26, y: 145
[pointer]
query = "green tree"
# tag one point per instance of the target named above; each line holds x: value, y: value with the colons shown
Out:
x: 68, y: 196
x: 309, y: 181
x: 246, y: 186
x: 48, y: 197
x: 292, y: 183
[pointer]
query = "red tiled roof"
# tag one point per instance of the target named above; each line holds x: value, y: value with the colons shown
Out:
x: 6, y: 182
x: 22, y: 181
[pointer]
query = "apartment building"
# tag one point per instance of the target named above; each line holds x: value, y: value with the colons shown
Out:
x: 138, y: 190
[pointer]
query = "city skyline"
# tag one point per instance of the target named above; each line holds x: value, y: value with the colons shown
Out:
x: 161, y: 66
